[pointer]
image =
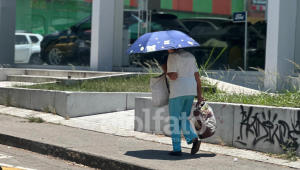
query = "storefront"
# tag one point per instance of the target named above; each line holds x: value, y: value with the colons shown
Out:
x: 56, y: 34
x: 207, y: 21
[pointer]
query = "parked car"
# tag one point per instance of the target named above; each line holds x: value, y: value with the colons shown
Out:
x: 62, y: 46
x: 58, y: 47
x: 27, y: 48
x: 159, y: 22
x: 221, y: 33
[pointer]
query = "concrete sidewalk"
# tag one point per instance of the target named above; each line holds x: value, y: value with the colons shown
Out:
x: 108, y: 151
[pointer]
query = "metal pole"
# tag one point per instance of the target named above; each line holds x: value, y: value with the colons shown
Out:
x: 147, y: 20
x: 150, y: 22
x: 246, y: 42
x: 139, y: 25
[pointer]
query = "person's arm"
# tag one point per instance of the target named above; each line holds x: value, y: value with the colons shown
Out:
x: 199, y: 87
x: 172, y: 75
x: 170, y: 68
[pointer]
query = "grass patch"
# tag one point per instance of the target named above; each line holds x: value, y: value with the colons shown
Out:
x: 290, y: 155
x: 50, y: 109
x: 139, y: 83
x: 288, y: 99
x: 33, y: 119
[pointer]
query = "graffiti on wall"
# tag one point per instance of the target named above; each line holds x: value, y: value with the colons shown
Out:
x: 267, y: 127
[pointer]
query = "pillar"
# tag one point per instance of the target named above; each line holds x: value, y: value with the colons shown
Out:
x: 7, y: 31
x: 281, y: 33
x: 102, y: 45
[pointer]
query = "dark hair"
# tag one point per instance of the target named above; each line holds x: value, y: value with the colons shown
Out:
x: 164, y: 58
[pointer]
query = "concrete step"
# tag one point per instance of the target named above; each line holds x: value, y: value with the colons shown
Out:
x: 31, y: 78
x: 66, y: 73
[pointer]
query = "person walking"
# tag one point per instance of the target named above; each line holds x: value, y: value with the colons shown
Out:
x: 185, y: 84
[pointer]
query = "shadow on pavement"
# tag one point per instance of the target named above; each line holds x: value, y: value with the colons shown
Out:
x: 163, y: 155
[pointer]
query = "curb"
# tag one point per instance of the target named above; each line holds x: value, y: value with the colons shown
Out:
x: 86, y: 159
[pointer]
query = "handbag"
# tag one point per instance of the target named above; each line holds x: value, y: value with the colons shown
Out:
x: 204, y: 121
x: 160, y: 90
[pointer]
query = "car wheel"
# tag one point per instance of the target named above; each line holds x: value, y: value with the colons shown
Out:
x: 35, y: 59
x: 54, y: 57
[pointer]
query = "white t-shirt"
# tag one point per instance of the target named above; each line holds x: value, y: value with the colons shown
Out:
x: 184, y: 64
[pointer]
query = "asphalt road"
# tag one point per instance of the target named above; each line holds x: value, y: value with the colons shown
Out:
x: 112, y: 148
x: 18, y: 159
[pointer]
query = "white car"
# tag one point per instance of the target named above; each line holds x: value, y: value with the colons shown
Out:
x: 27, y: 48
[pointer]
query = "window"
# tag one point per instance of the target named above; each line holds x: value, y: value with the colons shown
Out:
x: 62, y: 41
x: 21, y: 40
x: 85, y: 26
x: 34, y: 39
x: 53, y: 24
x: 201, y: 27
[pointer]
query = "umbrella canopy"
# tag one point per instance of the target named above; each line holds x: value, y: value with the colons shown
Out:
x: 162, y: 40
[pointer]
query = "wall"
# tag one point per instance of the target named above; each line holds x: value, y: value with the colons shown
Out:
x: 69, y: 104
x: 261, y: 128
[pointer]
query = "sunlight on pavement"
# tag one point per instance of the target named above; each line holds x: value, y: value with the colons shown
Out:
x: 10, y: 167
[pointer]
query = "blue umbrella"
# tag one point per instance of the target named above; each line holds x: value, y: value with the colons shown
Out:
x: 162, y: 40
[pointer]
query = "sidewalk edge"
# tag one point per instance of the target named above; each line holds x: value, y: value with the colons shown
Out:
x: 86, y: 159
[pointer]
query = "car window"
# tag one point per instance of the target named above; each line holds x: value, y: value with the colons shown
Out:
x: 168, y: 22
x: 190, y: 24
x: 34, y: 39
x: 21, y: 39
x: 72, y: 39
x: 62, y: 41
x: 201, y: 27
x: 85, y: 26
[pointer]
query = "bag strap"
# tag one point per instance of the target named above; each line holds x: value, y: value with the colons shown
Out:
x: 167, y: 83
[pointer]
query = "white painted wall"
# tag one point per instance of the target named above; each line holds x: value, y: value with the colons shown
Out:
x: 103, y: 23
x: 261, y: 128
x: 280, y: 41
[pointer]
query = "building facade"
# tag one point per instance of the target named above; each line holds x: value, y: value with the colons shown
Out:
x: 95, y: 34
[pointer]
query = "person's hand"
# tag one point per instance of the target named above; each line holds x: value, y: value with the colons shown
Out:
x: 200, y: 99
x: 164, y: 68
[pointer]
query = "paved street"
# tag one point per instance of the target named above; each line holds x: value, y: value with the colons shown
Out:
x: 17, y: 159
x: 130, y: 150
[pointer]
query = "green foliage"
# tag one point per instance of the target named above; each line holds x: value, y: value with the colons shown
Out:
x: 290, y: 153
x: 49, y: 109
x: 289, y: 99
x: 33, y: 119
x: 139, y: 83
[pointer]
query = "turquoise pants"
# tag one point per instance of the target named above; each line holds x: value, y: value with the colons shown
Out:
x: 180, y: 109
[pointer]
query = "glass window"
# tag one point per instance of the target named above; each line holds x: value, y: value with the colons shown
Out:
x: 63, y: 40
x: 21, y: 40
x: 34, y: 39
x: 59, y: 22
x: 209, y: 23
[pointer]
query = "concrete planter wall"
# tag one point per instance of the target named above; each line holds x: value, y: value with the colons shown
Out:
x: 260, y: 128
x: 71, y: 104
